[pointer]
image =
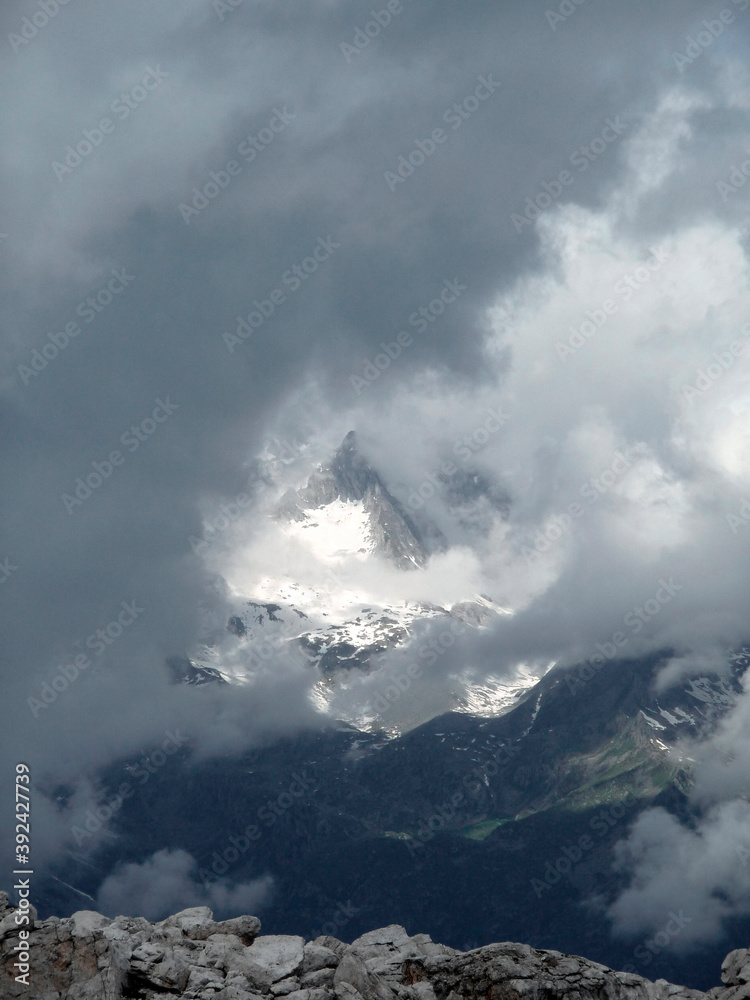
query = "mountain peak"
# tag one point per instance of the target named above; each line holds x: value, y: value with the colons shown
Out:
x: 350, y: 478
x: 352, y: 474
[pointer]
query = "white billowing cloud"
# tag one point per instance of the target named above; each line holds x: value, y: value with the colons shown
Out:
x: 702, y: 875
x: 615, y: 369
x: 653, y: 154
x: 723, y: 764
x: 344, y: 576
x: 665, y: 380
x: 621, y: 372
x: 621, y: 365
x: 704, y: 869
x: 699, y: 661
x: 167, y: 882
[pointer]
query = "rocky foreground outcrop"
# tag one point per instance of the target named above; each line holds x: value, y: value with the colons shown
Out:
x: 190, y: 955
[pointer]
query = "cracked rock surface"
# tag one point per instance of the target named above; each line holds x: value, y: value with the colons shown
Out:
x: 191, y: 956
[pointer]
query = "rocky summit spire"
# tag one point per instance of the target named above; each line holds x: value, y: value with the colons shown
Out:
x: 353, y: 475
x: 349, y: 478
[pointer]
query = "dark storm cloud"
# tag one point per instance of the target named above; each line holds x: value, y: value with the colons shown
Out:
x: 313, y: 136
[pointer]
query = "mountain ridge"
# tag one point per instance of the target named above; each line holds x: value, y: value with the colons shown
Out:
x: 416, y: 828
x: 190, y: 956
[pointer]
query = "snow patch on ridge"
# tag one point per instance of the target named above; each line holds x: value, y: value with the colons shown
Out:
x: 652, y: 722
x: 495, y: 695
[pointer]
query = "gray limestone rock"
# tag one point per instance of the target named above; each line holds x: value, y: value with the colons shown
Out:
x: 190, y: 956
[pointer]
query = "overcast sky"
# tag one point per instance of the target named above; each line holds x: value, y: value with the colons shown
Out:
x: 569, y: 178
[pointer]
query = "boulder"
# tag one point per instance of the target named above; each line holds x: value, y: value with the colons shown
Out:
x: 191, y: 956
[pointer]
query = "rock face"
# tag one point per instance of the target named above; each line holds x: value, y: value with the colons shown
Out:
x: 193, y: 957
x: 349, y: 478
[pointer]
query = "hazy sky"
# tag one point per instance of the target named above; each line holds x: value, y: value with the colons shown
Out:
x: 559, y: 189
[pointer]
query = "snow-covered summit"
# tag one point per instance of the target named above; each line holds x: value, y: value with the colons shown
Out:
x: 338, y: 578
x: 347, y: 500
